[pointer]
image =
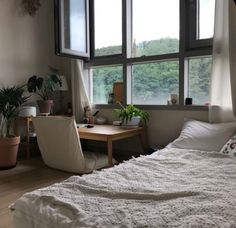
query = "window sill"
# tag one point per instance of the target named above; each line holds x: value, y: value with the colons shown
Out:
x: 158, y: 107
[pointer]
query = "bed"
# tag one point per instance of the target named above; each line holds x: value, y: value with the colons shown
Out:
x: 173, y: 187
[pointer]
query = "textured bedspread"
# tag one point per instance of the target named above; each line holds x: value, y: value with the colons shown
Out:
x: 170, y: 188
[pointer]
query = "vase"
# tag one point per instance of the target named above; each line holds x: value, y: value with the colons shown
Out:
x: 133, y: 123
x: 8, y: 152
x: 45, y: 106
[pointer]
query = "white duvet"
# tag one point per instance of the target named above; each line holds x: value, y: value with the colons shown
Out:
x: 170, y: 188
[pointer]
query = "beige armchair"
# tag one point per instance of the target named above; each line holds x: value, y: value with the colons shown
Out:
x: 59, y: 143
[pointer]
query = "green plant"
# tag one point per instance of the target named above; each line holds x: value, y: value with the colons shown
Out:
x: 126, y: 113
x: 44, y: 87
x: 11, y: 98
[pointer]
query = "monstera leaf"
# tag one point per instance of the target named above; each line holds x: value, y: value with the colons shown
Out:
x: 34, y: 83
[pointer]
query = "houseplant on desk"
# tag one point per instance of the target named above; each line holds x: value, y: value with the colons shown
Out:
x: 44, y: 87
x: 11, y: 98
x: 130, y: 116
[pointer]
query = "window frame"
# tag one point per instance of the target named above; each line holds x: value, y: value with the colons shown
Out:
x: 192, y: 17
x: 58, y: 22
x: 188, y: 47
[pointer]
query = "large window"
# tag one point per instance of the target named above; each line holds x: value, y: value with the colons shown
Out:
x: 152, y: 83
x: 108, y: 27
x: 154, y: 31
x: 72, y: 27
x: 103, y: 79
x: 156, y: 47
x: 199, y: 72
x: 206, y: 10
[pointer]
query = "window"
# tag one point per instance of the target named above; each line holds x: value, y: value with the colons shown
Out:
x: 152, y: 83
x: 150, y: 36
x: 206, y: 10
x: 199, y: 72
x: 72, y: 22
x: 156, y: 47
x: 201, y: 23
x: 108, y: 27
x: 102, y: 79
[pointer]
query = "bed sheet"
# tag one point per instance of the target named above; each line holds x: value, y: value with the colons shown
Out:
x: 170, y: 188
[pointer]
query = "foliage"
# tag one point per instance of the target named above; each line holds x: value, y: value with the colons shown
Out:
x: 11, y: 98
x: 44, y: 87
x: 126, y: 113
x: 152, y: 83
x: 103, y: 79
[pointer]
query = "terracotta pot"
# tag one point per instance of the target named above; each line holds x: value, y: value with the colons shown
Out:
x: 8, y: 152
x: 45, y: 106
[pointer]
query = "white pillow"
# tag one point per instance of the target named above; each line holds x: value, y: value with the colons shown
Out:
x: 204, y: 136
x: 230, y: 147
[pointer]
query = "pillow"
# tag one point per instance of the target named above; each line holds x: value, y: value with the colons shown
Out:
x: 204, y: 136
x: 230, y: 147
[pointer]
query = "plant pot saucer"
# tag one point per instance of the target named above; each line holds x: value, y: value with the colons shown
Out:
x: 45, y: 114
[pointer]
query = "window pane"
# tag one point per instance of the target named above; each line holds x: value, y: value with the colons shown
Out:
x: 108, y: 27
x: 103, y: 79
x: 155, y: 27
x: 199, y: 79
x: 206, y: 18
x: 74, y: 31
x: 152, y: 83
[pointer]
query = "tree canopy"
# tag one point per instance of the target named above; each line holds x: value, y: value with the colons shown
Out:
x: 152, y: 83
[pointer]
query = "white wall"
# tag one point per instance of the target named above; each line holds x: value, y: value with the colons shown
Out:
x: 27, y: 43
x: 164, y: 125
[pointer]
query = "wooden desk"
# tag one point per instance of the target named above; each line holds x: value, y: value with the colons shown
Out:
x: 110, y: 133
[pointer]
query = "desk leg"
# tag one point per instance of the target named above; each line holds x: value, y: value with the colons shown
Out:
x: 109, y: 151
x: 143, y: 139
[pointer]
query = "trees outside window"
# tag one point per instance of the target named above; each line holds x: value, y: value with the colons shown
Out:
x: 156, y: 47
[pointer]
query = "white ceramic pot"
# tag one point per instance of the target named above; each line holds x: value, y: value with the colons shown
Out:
x: 26, y: 111
x: 133, y: 123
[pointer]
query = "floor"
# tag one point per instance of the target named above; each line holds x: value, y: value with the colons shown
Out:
x: 25, y: 177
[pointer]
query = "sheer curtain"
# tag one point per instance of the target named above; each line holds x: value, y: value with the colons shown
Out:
x: 223, y: 84
x: 80, y: 97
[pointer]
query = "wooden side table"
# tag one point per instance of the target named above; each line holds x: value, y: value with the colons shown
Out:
x: 26, y: 122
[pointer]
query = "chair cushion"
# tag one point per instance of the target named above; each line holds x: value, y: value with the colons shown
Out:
x: 59, y: 143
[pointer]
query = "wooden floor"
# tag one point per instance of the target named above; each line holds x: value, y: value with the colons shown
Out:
x: 25, y: 177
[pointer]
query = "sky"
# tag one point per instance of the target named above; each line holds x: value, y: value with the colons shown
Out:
x: 150, y: 21
x: 153, y: 20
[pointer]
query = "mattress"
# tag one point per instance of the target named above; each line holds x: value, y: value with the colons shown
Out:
x: 170, y: 188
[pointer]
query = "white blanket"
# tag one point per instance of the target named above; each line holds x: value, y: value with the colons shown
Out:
x: 170, y: 188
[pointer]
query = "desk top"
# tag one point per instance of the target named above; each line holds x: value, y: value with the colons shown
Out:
x: 108, y: 130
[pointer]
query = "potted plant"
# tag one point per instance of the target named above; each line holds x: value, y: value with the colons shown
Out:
x: 44, y: 87
x: 131, y: 116
x: 11, y: 98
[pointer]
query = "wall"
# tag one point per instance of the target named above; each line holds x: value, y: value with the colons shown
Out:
x: 27, y: 43
x: 164, y: 126
x: 27, y: 48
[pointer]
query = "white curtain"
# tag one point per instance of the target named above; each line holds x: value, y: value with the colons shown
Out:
x: 80, y: 97
x: 223, y: 84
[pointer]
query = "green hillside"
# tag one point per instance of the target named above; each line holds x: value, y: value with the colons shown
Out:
x: 152, y: 83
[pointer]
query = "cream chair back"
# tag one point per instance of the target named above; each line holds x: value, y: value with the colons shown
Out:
x: 59, y: 143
